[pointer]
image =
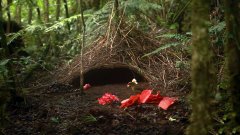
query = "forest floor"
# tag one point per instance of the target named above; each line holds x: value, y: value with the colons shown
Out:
x: 61, y: 110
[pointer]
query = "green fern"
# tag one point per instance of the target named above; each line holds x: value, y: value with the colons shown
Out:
x: 218, y: 28
x: 62, y: 23
x: 179, y: 37
x: 140, y: 5
x: 36, y: 28
x: 89, y: 119
x: 181, y: 40
x: 162, y: 48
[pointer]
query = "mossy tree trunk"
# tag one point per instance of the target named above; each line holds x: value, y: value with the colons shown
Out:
x: 46, y: 10
x: 232, y: 51
x: 202, y: 70
x: 18, y: 12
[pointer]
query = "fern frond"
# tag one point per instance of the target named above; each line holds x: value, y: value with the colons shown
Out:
x: 140, y: 5
x: 218, y: 28
x: 34, y: 28
x: 162, y: 48
x: 29, y: 29
x: 62, y: 23
x: 13, y: 36
x: 179, y: 37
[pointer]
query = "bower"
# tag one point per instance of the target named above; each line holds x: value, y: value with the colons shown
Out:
x: 105, y: 76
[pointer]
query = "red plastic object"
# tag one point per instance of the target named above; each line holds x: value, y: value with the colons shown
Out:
x: 144, y: 96
x: 128, y: 102
x: 155, y: 99
x: 166, y: 102
x: 107, y: 98
x: 86, y: 86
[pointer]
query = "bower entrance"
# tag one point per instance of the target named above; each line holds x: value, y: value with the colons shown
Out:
x: 104, y: 76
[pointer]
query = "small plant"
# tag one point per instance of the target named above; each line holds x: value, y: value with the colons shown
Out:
x: 89, y: 119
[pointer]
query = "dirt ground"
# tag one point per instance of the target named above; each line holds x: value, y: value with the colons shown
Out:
x: 60, y: 110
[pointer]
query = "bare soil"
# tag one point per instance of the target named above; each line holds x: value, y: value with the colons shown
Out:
x: 61, y: 110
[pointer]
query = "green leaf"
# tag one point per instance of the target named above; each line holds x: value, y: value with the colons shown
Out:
x: 217, y: 28
x: 162, y: 48
x: 4, y: 62
x: 89, y: 119
x: 55, y: 119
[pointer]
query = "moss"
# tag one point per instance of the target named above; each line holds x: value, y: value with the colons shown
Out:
x: 202, y: 69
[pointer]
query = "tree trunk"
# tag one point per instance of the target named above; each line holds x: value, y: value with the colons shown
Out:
x: 78, y: 6
x: 82, y: 46
x: 46, y: 10
x: 58, y: 9
x: 8, y: 16
x: 38, y: 13
x: 66, y: 12
x: 78, y: 11
x: 30, y: 14
x: 202, y: 70
x: 116, y: 5
x: 232, y: 51
x: 66, y: 8
x: 117, y: 17
x: 18, y: 12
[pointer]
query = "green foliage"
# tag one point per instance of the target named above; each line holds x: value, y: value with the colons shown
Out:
x: 143, y: 6
x: 217, y: 33
x: 180, y: 37
x: 218, y: 28
x: 89, y: 119
x: 162, y: 48
x: 96, y: 23
x: 180, y: 40
x: 55, y: 119
x: 3, y: 71
x: 140, y: 13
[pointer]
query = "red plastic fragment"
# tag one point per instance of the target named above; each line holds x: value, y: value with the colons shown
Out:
x: 107, y: 98
x: 166, y: 102
x: 86, y: 86
x: 144, y: 96
x: 155, y: 99
x: 128, y: 102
